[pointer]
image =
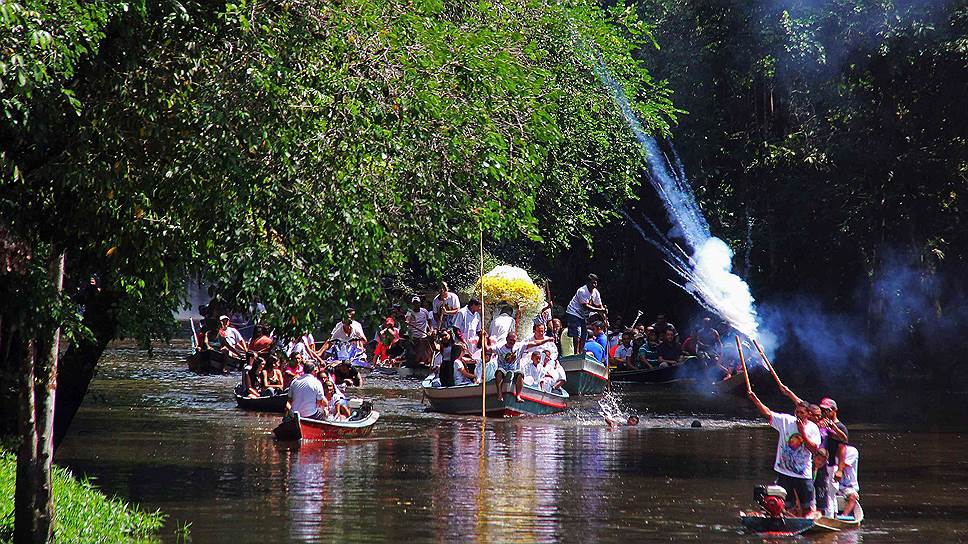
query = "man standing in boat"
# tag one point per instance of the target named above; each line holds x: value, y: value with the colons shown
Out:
x: 586, y: 300
x: 445, y: 306
x: 799, y: 439
x: 468, y: 323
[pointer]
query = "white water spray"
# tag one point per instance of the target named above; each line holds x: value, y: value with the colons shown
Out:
x: 708, y: 272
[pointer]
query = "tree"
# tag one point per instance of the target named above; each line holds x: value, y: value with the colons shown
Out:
x: 289, y: 149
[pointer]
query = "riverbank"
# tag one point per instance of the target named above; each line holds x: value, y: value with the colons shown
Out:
x: 84, y: 513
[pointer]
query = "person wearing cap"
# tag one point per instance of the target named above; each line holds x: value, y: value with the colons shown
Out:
x: 586, y: 300
x: 445, y: 306
x: 420, y: 324
x: 469, y: 324
x: 233, y: 344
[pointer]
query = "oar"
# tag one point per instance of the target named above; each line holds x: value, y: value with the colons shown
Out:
x: 636, y: 322
x: 767, y: 361
x: 194, y: 334
x: 742, y: 361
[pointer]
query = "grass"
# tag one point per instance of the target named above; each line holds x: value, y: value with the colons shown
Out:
x: 82, y: 512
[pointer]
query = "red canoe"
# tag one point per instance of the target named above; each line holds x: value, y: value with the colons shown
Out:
x: 295, y: 428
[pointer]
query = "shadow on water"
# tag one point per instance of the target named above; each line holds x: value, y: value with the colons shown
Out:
x: 155, y: 434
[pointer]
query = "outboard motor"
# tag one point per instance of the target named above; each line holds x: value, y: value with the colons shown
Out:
x: 770, y: 498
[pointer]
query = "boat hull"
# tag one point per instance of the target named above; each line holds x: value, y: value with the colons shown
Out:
x: 295, y: 428
x: 466, y: 400
x: 586, y: 376
x: 764, y: 525
x: 690, y: 368
x: 212, y: 362
x: 840, y: 524
x: 274, y: 404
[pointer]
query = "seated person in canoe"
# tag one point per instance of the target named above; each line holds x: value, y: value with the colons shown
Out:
x: 593, y: 348
x: 508, y: 370
x: 233, y: 344
x: 305, y: 346
x: 252, y: 376
x: 261, y: 341
x: 623, y: 358
x: 554, y: 373
x: 272, y: 379
x: 669, y: 350
x: 294, y: 369
x: 336, y: 404
x: 306, y: 395
x: 343, y: 373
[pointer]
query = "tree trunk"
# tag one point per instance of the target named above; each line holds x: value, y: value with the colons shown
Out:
x: 75, y: 369
x: 33, y: 500
x: 24, y: 522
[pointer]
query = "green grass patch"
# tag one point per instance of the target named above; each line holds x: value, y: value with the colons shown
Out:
x: 82, y: 512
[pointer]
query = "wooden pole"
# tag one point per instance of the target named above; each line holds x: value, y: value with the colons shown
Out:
x: 766, y: 361
x: 483, y: 346
x: 742, y: 361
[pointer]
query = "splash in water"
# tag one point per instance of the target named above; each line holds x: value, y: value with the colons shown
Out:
x: 707, y: 271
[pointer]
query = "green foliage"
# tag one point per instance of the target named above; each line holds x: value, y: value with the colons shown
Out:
x: 836, y: 128
x: 300, y: 151
x: 84, y: 514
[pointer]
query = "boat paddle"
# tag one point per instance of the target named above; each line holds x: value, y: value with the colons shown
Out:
x: 767, y: 361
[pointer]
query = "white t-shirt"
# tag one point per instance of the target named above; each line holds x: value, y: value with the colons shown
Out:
x: 451, y: 301
x: 356, y: 332
x: 304, y: 391
x: 232, y: 336
x: 419, y: 320
x: 550, y: 346
x: 503, y: 353
x: 576, y: 306
x: 300, y: 346
x: 460, y: 379
x: 792, y: 456
x: 849, y: 481
x: 554, y: 372
x: 469, y: 324
x: 536, y: 373
x: 500, y: 327
x: 623, y: 352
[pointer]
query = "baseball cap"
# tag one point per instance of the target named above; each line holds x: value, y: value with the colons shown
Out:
x: 828, y: 403
x: 223, y: 317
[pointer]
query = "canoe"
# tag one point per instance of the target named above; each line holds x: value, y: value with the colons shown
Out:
x: 840, y: 523
x: 212, y: 362
x: 765, y: 525
x: 690, y: 368
x: 586, y: 376
x: 275, y: 403
x: 419, y: 372
x: 466, y: 400
x: 295, y: 428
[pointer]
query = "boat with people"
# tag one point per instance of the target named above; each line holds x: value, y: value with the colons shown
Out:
x: 359, y: 424
x: 269, y: 403
x: 586, y: 375
x: 210, y: 361
x: 466, y: 399
x: 689, y: 368
x: 772, y: 519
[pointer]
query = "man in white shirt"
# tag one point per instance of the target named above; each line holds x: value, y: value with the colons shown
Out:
x: 305, y: 346
x: 468, y: 323
x: 555, y: 376
x: 586, y: 300
x: 799, y: 439
x: 533, y: 370
x: 445, y: 306
x: 501, y: 325
x: 420, y: 324
x: 233, y: 344
x: 624, y: 357
x: 306, y: 395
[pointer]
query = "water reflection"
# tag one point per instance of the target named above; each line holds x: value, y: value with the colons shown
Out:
x: 155, y: 434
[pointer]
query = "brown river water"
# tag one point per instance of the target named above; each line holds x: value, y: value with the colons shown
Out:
x: 153, y: 433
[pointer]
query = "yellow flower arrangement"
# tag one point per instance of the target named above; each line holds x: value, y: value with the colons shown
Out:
x: 512, y: 286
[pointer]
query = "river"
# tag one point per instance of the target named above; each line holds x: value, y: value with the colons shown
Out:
x: 155, y: 434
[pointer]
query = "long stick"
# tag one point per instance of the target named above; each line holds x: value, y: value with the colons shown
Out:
x: 483, y: 347
x: 767, y: 361
x: 742, y: 361
x: 194, y: 334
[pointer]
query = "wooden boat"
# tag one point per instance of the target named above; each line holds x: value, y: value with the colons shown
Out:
x: 586, y: 376
x: 765, y: 525
x: 840, y: 523
x: 466, y: 400
x: 211, y: 361
x: 736, y: 384
x: 690, y: 368
x: 295, y: 428
x: 275, y: 403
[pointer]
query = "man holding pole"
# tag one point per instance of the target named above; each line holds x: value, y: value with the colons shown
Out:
x: 586, y: 300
